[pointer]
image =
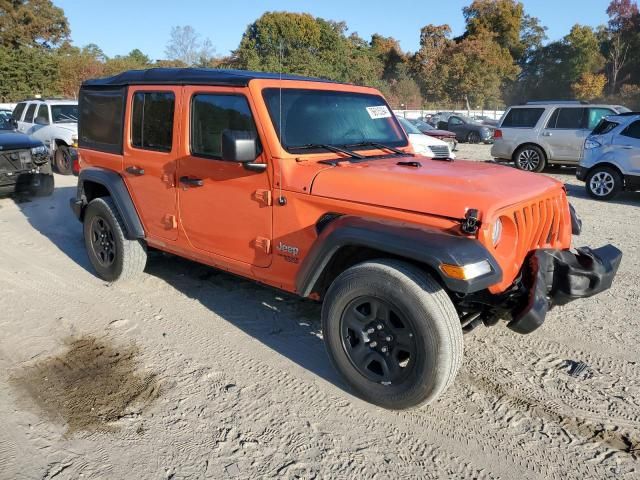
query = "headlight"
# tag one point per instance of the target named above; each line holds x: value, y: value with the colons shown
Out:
x: 590, y: 143
x: 41, y: 150
x: 496, y: 233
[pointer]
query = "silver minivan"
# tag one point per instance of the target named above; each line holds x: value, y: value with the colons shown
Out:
x: 537, y: 134
x: 611, y: 161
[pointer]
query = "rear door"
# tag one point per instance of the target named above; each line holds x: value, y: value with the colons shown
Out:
x: 150, y: 155
x: 457, y: 126
x: 564, y: 135
x: 27, y: 120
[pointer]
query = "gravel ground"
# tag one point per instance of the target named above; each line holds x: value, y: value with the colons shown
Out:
x: 193, y: 373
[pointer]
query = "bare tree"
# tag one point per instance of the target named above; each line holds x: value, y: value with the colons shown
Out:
x: 185, y: 45
x: 617, y: 57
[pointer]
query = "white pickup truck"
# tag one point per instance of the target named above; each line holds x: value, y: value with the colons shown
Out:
x: 55, y: 123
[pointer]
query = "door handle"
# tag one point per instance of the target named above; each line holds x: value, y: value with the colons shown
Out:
x: 627, y: 147
x: 547, y: 134
x: 191, y: 182
x: 133, y: 170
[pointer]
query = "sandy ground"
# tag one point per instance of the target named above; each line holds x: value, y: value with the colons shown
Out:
x: 192, y: 373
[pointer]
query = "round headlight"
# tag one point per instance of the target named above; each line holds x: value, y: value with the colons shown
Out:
x: 496, y: 232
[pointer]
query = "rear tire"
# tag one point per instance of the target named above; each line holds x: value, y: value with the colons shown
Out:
x: 603, y: 183
x: 113, y: 256
x: 394, y: 305
x: 473, y: 137
x: 63, y: 160
x: 530, y: 158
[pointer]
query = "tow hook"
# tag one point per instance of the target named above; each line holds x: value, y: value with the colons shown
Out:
x: 471, y: 222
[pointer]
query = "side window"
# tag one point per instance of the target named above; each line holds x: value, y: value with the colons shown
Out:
x: 43, y: 113
x: 632, y: 130
x: 597, y: 114
x: 567, y: 119
x: 28, y: 118
x: 522, y: 117
x: 101, y: 119
x: 17, y: 112
x: 152, y: 120
x: 455, y: 121
x: 210, y: 115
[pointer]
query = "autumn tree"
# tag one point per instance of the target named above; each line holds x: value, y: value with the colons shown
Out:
x: 31, y: 23
x: 589, y: 86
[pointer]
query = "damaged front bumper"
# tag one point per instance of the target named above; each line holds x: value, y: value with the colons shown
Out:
x: 556, y: 277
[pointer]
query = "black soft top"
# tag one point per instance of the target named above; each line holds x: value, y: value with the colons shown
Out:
x: 190, y: 76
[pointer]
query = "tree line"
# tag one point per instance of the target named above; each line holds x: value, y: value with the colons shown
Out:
x: 503, y: 56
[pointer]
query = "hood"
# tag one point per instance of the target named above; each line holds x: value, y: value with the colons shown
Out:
x: 12, y: 140
x: 439, y: 133
x: 442, y: 188
x: 422, y: 139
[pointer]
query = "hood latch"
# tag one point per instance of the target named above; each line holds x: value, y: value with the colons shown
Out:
x: 471, y: 222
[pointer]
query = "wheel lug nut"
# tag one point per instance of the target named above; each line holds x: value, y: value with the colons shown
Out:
x: 373, y: 344
x: 379, y: 326
x: 370, y: 331
x: 384, y: 349
x: 388, y: 339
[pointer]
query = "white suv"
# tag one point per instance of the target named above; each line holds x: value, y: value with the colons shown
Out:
x: 55, y: 123
x: 536, y: 134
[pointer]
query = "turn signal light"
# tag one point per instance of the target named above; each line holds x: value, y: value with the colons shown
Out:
x: 466, y: 272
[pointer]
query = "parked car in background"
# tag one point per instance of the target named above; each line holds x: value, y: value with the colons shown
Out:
x: 439, y: 117
x: 611, y: 161
x: 24, y: 162
x: 424, y: 144
x: 55, y: 123
x: 467, y: 130
x: 536, y: 134
x: 5, y: 113
x: 444, y: 135
x: 485, y: 120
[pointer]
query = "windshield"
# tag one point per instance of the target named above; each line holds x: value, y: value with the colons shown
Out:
x: 408, y: 126
x: 321, y: 117
x: 64, y: 113
x: 423, y: 125
x: 6, y: 122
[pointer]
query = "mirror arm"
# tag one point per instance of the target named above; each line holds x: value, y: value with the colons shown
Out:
x: 255, y: 167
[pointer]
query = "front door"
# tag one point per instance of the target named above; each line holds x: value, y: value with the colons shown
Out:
x: 565, y: 134
x: 627, y: 150
x: 150, y: 152
x: 225, y: 209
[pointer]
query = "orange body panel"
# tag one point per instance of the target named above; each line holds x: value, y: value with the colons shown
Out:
x: 235, y: 221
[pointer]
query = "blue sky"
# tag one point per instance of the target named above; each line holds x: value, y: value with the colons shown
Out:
x: 118, y: 26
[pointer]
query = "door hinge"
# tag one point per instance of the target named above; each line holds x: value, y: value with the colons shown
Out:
x: 169, y: 179
x: 263, y: 244
x: 263, y: 196
x: 170, y: 221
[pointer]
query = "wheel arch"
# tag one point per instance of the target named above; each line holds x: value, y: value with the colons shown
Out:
x: 608, y: 164
x: 347, y: 240
x: 98, y: 182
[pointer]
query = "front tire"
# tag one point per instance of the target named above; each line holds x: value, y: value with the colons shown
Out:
x: 63, y: 160
x: 603, y: 183
x: 530, y: 158
x: 392, y: 333
x: 473, y: 137
x: 113, y: 256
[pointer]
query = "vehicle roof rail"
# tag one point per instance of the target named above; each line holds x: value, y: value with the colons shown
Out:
x: 561, y: 102
x: 624, y: 114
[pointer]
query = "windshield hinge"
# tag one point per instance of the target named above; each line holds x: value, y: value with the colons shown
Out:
x: 263, y: 196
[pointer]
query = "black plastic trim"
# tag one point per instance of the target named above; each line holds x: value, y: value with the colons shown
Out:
x: 422, y: 244
x: 632, y: 182
x: 114, y: 183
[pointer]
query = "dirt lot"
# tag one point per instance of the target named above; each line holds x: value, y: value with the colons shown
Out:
x: 193, y: 373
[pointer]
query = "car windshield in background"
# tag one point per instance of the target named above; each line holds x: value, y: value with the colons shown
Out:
x: 423, y: 125
x: 605, y: 126
x: 408, y: 126
x: 64, y: 113
x: 305, y: 117
x: 6, y: 123
x: 522, y: 117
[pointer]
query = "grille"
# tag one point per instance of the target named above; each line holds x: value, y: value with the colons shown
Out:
x: 440, y: 151
x: 539, y: 224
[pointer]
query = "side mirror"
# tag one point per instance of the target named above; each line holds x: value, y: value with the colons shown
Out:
x: 241, y: 146
x: 14, y: 123
x: 41, y: 120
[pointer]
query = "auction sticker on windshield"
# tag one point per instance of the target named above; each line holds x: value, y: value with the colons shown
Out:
x: 379, y: 112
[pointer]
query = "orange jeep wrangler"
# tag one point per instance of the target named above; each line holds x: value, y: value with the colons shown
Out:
x: 311, y: 187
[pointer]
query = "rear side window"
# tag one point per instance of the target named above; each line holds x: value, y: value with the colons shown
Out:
x: 522, y: 117
x: 210, y: 115
x: 605, y: 126
x: 101, y: 119
x: 43, y: 113
x: 152, y: 120
x: 17, y: 112
x: 632, y: 130
x: 568, y: 119
x: 28, y: 118
x: 597, y: 114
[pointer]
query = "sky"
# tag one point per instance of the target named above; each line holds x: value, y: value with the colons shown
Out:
x: 119, y: 26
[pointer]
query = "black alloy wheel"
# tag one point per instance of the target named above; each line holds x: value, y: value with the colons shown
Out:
x: 103, y: 244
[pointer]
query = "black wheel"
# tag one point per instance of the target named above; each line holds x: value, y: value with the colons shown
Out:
x: 42, y: 185
x: 473, y: 137
x: 603, y: 183
x: 63, y: 160
x: 112, y: 255
x: 530, y: 158
x: 393, y: 333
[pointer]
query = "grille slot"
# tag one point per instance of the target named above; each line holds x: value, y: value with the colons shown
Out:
x: 538, y: 224
x: 440, y: 151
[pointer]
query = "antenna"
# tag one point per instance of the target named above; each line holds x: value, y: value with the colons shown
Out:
x: 281, y: 200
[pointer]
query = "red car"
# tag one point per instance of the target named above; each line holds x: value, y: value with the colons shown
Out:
x: 444, y: 135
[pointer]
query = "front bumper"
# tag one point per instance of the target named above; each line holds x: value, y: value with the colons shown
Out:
x: 557, y: 277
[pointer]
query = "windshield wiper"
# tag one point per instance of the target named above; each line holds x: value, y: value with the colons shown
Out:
x: 381, y: 146
x: 331, y: 148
